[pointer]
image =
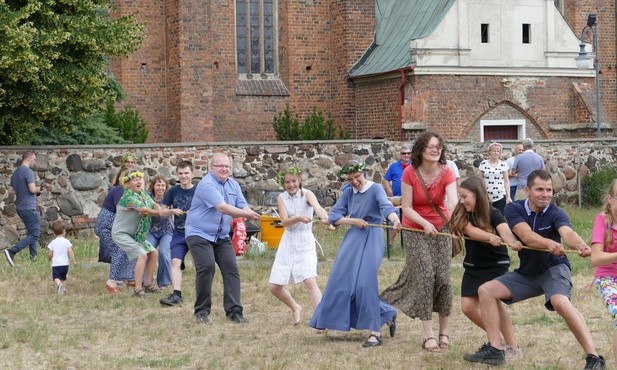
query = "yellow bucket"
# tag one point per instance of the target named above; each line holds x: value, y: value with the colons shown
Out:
x: 271, y: 230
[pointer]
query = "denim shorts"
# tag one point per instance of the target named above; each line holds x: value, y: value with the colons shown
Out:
x: 178, y: 246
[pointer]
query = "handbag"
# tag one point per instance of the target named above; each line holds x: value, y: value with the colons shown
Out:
x: 457, y: 243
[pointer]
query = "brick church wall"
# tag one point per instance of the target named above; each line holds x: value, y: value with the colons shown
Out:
x: 183, y: 78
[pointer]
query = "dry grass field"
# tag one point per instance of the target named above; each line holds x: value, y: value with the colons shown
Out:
x: 90, y: 329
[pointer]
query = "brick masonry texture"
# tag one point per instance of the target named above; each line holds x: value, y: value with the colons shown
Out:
x: 183, y: 78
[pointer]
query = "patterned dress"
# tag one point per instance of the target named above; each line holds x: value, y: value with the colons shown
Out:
x: 131, y: 227
x: 493, y: 179
x: 296, y: 255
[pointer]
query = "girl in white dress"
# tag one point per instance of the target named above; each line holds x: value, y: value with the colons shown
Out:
x: 296, y: 255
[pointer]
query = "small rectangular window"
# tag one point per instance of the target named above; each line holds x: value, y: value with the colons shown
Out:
x: 526, y: 33
x: 484, y: 33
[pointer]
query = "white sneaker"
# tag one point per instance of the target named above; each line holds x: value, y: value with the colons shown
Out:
x: 61, y: 290
x: 513, y: 353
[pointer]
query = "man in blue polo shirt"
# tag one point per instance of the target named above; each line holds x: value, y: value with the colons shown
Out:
x: 217, y: 199
x: 392, y: 179
x: 544, y: 269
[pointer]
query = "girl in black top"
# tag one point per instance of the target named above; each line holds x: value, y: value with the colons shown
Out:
x: 485, y: 260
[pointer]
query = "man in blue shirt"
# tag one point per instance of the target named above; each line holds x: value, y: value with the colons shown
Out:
x: 217, y: 199
x: 524, y: 164
x: 24, y: 187
x: 544, y: 269
x: 395, y: 173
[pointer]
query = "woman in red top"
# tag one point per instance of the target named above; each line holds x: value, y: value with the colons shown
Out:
x: 424, y: 287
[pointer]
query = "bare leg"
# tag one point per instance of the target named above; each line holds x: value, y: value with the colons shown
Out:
x: 176, y: 274
x: 471, y: 308
x: 427, y: 332
x: 444, y: 323
x: 313, y: 291
x: 490, y: 295
x: 506, y: 327
x: 140, y: 265
x: 283, y: 295
x: 151, y: 260
x: 575, y: 322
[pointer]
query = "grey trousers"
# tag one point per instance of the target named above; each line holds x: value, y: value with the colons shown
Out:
x: 205, y: 254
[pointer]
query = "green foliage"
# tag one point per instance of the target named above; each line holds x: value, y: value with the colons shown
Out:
x: 314, y: 127
x: 595, y: 186
x: 94, y: 130
x: 105, y: 126
x: 286, y: 126
x: 53, y: 66
x: 128, y: 123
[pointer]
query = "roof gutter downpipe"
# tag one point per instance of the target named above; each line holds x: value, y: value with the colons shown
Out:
x: 401, y: 98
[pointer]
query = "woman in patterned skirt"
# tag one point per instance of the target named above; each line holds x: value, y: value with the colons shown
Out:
x: 424, y: 287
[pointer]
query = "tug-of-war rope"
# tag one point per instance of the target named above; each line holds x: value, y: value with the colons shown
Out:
x: 468, y: 238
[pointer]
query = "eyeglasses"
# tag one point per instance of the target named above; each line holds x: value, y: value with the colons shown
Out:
x: 131, y: 162
x: 220, y: 166
x: 436, y: 148
x: 405, y: 153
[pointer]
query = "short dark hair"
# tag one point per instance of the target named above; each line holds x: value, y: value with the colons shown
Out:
x: 185, y: 164
x: 541, y: 174
x: 26, y: 155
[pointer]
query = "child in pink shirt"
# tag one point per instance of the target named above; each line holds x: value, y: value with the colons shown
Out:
x: 604, y: 255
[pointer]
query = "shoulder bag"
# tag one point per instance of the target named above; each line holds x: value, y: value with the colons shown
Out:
x: 457, y: 243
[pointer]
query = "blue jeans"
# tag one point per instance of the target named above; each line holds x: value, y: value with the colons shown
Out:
x: 32, y: 220
x: 163, y: 273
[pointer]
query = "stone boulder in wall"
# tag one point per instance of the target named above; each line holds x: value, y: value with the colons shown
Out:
x: 85, y: 181
x: 69, y: 205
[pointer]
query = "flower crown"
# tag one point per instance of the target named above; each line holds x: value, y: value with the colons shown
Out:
x: 348, y: 168
x: 293, y: 170
x: 125, y: 157
x: 131, y: 175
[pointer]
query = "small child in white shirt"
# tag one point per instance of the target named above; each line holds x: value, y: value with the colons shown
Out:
x: 59, y: 251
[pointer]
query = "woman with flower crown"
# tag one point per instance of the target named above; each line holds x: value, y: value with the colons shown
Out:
x: 131, y: 225
x: 351, y: 298
x: 296, y: 255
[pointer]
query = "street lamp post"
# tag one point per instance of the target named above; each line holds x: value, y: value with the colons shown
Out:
x: 583, y: 61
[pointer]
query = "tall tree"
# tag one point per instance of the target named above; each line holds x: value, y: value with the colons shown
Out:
x: 53, y: 62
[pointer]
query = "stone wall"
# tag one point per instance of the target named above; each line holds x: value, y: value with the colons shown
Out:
x: 74, y: 180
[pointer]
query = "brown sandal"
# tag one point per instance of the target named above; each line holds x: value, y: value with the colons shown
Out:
x: 432, y: 349
x: 444, y: 343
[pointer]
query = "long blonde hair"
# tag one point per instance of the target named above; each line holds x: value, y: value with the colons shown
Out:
x: 608, y: 235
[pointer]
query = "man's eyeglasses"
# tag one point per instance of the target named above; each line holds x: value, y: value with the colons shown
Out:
x: 405, y: 153
x: 220, y: 166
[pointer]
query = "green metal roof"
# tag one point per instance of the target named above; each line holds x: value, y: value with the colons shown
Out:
x: 397, y: 23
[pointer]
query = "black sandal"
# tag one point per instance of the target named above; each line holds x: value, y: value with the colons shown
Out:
x: 369, y: 344
x: 392, y: 325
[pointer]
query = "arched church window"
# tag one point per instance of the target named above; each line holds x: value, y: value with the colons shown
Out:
x: 256, y: 39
